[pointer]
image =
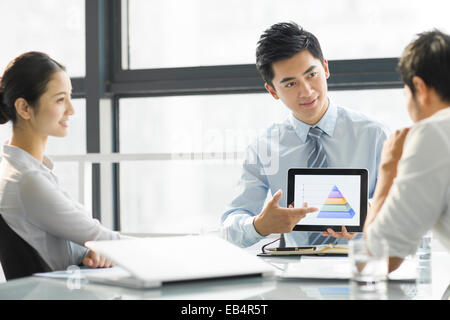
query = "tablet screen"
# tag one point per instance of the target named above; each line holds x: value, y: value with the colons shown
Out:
x: 340, y: 199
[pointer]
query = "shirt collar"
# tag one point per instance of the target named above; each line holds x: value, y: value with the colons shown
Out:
x: 18, y: 154
x: 327, y: 123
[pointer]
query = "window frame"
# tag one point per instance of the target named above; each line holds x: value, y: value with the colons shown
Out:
x: 106, y: 78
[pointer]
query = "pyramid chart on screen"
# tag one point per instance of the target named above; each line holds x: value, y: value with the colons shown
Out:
x: 336, y: 206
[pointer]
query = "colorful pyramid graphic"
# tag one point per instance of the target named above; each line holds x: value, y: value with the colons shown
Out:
x: 336, y: 206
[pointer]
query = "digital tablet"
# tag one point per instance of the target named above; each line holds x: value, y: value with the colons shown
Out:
x: 340, y: 195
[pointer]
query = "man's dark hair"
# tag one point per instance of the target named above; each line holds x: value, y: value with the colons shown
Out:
x: 428, y: 57
x: 282, y: 41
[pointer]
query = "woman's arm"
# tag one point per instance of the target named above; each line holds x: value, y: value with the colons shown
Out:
x: 50, y: 209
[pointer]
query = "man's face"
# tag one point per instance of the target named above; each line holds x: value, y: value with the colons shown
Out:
x: 300, y: 82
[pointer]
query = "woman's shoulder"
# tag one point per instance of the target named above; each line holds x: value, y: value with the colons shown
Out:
x: 34, y: 178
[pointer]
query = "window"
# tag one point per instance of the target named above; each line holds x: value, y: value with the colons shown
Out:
x: 387, y: 106
x: 206, y: 99
x: 55, y: 27
x: 186, y: 195
x: 201, y: 123
x: 193, y: 127
x: 171, y: 33
x: 191, y: 194
x: 175, y: 196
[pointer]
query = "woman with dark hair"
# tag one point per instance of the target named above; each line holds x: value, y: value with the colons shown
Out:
x: 35, y: 95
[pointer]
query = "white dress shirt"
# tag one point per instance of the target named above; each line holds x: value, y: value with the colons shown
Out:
x: 350, y: 140
x: 35, y: 206
x: 419, y: 199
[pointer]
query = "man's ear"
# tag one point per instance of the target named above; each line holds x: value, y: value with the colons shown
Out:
x: 421, y: 90
x: 271, y: 90
x: 326, y: 68
x: 23, y: 109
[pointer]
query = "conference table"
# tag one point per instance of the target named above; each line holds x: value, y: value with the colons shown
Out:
x: 433, y: 286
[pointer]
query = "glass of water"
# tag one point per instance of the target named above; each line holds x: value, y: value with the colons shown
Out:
x: 368, y: 272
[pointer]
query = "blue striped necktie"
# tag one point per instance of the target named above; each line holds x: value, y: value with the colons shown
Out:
x: 317, y: 159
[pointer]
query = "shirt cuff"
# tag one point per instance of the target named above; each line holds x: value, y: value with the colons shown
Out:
x: 249, y: 229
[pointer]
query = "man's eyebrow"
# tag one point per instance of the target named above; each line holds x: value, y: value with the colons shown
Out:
x: 293, y: 78
x: 309, y: 69
x: 287, y: 79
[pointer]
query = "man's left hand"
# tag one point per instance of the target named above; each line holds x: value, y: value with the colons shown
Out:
x: 339, y: 235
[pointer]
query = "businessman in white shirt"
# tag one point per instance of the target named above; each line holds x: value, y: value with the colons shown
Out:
x: 318, y: 133
x: 413, y: 188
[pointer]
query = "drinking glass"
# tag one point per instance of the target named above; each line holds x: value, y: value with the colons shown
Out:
x: 368, y: 271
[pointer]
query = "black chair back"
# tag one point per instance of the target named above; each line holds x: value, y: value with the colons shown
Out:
x: 17, y: 257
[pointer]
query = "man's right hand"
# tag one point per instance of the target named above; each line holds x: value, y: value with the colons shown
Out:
x: 274, y: 219
x: 94, y: 260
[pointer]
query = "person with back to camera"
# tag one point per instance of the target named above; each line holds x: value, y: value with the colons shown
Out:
x: 413, y: 193
x: 35, y: 95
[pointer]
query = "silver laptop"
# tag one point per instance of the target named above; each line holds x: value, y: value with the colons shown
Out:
x: 150, y: 262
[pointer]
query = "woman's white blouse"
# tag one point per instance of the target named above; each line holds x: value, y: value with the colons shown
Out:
x: 35, y: 206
